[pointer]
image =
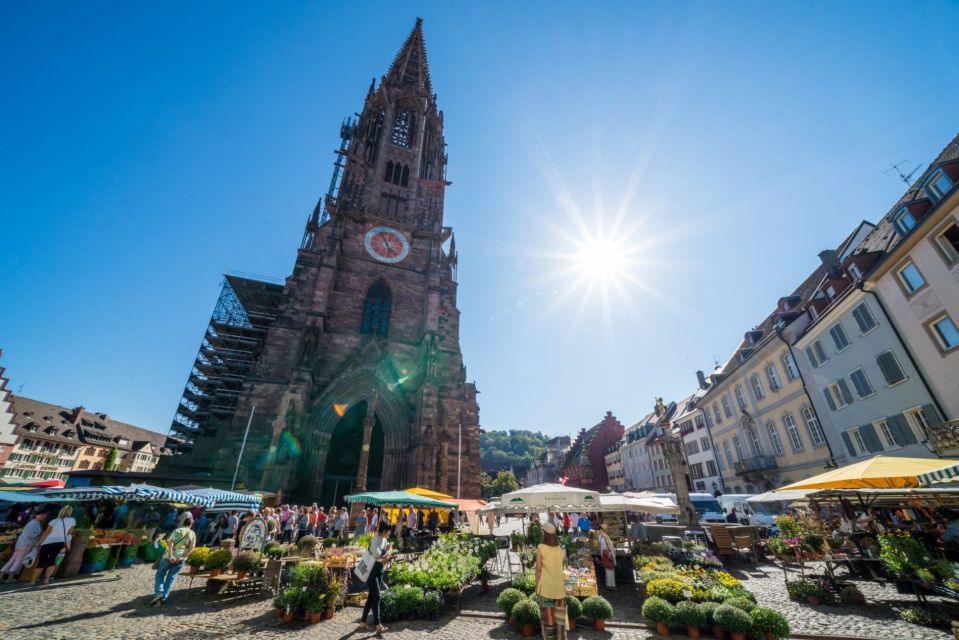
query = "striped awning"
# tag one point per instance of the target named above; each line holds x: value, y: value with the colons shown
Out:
x: 133, y: 493
x: 149, y: 493
x: 940, y: 476
x: 227, y: 500
x: 88, y: 494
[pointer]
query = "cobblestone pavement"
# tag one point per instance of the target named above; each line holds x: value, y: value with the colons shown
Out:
x: 112, y: 607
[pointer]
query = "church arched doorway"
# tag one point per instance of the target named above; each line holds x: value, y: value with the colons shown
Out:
x: 343, y: 457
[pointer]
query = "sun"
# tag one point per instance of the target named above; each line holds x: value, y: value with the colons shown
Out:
x: 602, y: 260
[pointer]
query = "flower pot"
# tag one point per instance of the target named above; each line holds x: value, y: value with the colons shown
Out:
x: 738, y: 635
x: 662, y: 629
x: 512, y: 623
x: 328, y: 613
x: 719, y: 632
x: 279, y: 612
x: 288, y: 615
x: 600, y: 625
x: 692, y: 632
x: 215, y: 572
x: 315, y: 616
x: 771, y: 636
x: 241, y: 575
x: 572, y: 624
x: 528, y: 630
x: 194, y: 569
x: 812, y: 599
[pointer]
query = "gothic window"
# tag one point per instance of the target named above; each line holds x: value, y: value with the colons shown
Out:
x: 403, y: 128
x: 405, y: 180
x: 376, y: 310
x: 389, y: 171
x: 373, y: 137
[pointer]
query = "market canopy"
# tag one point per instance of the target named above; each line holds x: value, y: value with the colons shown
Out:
x: 470, y: 506
x: 782, y: 496
x: 878, y: 472
x: 133, y: 493
x: 399, y: 498
x: 23, y: 496
x: 428, y: 493
x: 620, y: 502
x: 225, y: 500
x: 945, y: 475
x: 549, y: 497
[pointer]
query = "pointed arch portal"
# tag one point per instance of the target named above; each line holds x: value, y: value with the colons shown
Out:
x: 343, y: 459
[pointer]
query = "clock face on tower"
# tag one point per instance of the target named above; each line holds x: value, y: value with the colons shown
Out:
x: 386, y: 245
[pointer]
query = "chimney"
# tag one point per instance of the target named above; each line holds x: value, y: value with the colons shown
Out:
x: 702, y: 379
x: 831, y: 261
x: 77, y: 415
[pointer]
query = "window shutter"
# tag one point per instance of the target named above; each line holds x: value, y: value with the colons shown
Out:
x: 931, y: 414
x: 890, y: 368
x: 848, y: 442
x: 900, y: 429
x: 829, y: 400
x: 812, y: 357
x: 844, y: 388
x: 869, y: 436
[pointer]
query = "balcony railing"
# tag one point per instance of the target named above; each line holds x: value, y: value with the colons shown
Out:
x: 757, y: 463
x: 944, y: 437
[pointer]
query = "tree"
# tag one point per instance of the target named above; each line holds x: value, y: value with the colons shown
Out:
x: 510, y: 449
x: 504, y: 483
x: 111, y: 462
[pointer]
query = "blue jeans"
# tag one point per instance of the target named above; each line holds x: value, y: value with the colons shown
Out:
x: 165, y: 577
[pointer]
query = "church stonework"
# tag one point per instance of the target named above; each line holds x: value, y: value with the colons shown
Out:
x: 360, y: 381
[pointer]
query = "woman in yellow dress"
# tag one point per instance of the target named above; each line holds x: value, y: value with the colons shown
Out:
x: 551, y: 585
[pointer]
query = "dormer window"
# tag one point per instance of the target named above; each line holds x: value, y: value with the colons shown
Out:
x: 938, y: 185
x: 855, y: 271
x: 904, y: 220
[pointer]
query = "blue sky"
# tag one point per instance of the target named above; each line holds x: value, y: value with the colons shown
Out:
x: 148, y: 148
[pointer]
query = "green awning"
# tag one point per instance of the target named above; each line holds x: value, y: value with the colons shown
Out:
x: 399, y: 498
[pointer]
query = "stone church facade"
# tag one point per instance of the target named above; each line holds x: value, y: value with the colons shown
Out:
x: 359, y: 366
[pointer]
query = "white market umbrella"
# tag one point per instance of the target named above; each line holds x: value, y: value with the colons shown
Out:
x: 782, y: 496
x: 549, y: 497
x: 619, y: 502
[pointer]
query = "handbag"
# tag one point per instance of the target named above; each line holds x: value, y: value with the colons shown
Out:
x: 30, y: 559
x: 63, y: 552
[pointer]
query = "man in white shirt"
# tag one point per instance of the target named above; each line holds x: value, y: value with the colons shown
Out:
x: 573, y: 523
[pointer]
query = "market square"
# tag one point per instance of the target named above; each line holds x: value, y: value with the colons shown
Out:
x: 708, y: 410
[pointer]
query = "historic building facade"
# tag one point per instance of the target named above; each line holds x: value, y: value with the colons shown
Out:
x: 355, y: 380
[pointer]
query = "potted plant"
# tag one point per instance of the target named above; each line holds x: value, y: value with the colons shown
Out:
x: 279, y: 603
x: 660, y: 611
x: 769, y: 624
x: 668, y: 589
x: 688, y: 613
x: 331, y: 595
x: 574, y: 609
x: 599, y: 610
x: 245, y: 562
x: 507, y: 599
x: 736, y: 621
x: 291, y: 601
x: 525, y: 581
x: 306, y: 546
x: 741, y: 602
x: 197, y: 559
x: 708, y: 609
x: 850, y: 594
x: 314, y: 603
x: 217, y: 561
x: 408, y: 600
x: 526, y: 614
x: 431, y: 605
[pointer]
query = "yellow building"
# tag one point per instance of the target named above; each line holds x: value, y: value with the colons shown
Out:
x: 765, y: 429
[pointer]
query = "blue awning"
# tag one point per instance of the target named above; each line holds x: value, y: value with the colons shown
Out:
x: 26, y: 496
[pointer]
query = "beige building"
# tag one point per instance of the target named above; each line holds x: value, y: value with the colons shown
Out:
x: 614, y: 466
x: 918, y: 280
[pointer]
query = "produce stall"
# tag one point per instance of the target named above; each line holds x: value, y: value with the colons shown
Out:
x: 581, y: 577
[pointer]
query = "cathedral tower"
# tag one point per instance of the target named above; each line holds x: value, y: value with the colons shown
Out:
x: 356, y: 374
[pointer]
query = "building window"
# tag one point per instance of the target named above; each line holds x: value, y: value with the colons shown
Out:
x: 948, y: 244
x: 943, y: 329
x: 816, y: 354
x: 839, y: 337
x: 904, y: 220
x: 376, y: 310
x: 772, y: 377
x: 888, y: 438
x: 696, y: 471
x: 729, y: 455
x: 85, y: 464
x: 938, y: 185
x: 858, y: 445
x: 738, y: 445
x: 727, y: 407
x: 855, y: 271
x: 403, y: 128
x: 710, y: 468
x: 864, y: 318
x: 757, y: 387
x: 838, y: 395
x: 861, y: 382
x: 910, y: 278
x: 700, y: 423
x: 918, y: 422
x: 692, y: 447
x: 705, y: 444
x: 795, y: 439
x: 90, y: 451
x: 740, y: 398
x: 891, y: 371
x: 718, y: 418
x: 774, y: 439
x: 790, y: 365
x: 755, y: 442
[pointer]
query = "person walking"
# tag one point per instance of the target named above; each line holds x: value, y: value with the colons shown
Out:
x: 607, y: 556
x: 375, y: 582
x: 321, y: 528
x: 302, y: 523
x: 433, y: 521
x: 490, y: 522
x: 551, y: 585
x: 360, y: 525
x: 54, y: 544
x: 573, y: 524
x: 178, y: 546
x: 26, y: 542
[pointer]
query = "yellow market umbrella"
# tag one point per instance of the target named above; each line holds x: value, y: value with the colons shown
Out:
x: 878, y: 472
x: 436, y: 495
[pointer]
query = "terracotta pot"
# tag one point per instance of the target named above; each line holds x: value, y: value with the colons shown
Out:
x: 328, y: 613
x: 315, y: 616
x: 528, y: 630
x: 288, y: 616
x: 241, y: 575
x: 812, y: 599
x: 194, y: 569
x: 215, y: 572
x: 279, y: 612
x: 692, y: 632
x: 572, y: 624
x: 662, y: 629
x: 599, y: 624
x: 770, y: 636
x: 512, y: 623
x: 738, y: 635
x: 719, y: 632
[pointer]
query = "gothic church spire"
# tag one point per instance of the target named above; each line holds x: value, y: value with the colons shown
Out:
x: 410, y: 67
